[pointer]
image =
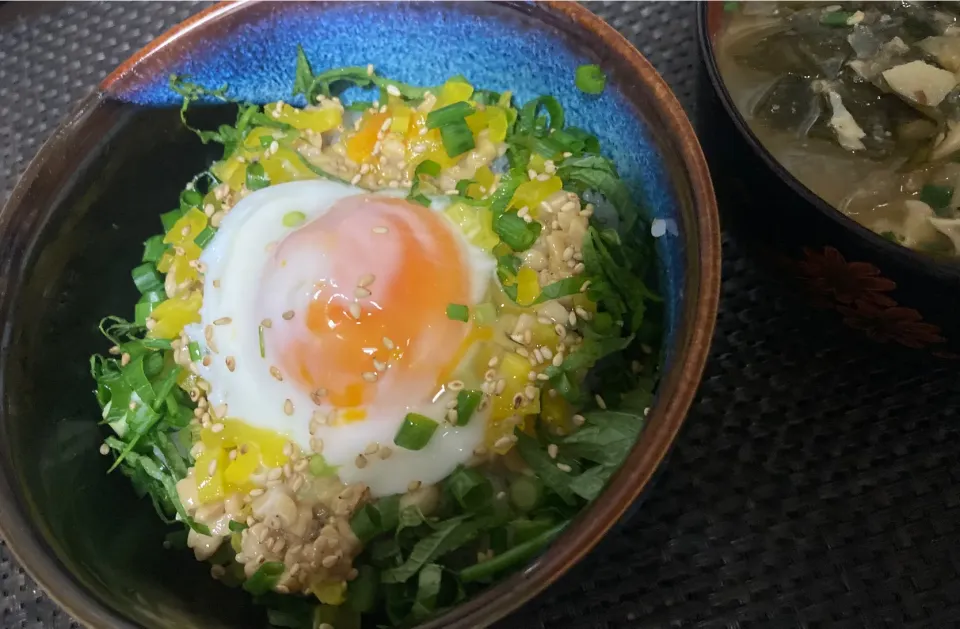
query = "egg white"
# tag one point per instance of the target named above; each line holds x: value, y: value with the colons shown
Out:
x: 236, y: 259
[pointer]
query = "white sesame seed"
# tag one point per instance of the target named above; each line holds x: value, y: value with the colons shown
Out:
x: 212, y: 468
x: 542, y: 377
x: 532, y: 375
x: 392, y: 90
x: 538, y: 355
x: 104, y: 449
x: 489, y: 375
x: 388, y: 343
x: 530, y: 392
x: 275, y: 372
x: 380, y: 230
x: 455, y: 385
x: 361, y: 293
x: 231, y: 363
x: 532, y: 174
x: 452, y: 416
x: 493, y: 362
x: 563, y: 467
x: 355, y: 311
x: 503, y: 442
x: 370, y: 376
x: 356, y: 179
x: 366, y: 280
x: 557, y: 360
x: 578, y: 420
x: 361, y: 462
x: 218, y: 427
x: 288, y: 407
x: 552, y: 450
x: 369, y: 69
x: 600, y: 402
x: 501, y: 385
x: 521, y: 351
x: 379, y: 365
x: 546, y: 353
x: 288, y: 315
x: 385, y: 452
x: 567, y: 253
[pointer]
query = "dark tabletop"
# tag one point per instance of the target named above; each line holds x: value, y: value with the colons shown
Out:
x: 815, y: 483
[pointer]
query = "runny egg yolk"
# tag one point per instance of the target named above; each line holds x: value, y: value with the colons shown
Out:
x: 375, y: 320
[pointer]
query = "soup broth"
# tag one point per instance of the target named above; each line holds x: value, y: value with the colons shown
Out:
x: 860, y: 101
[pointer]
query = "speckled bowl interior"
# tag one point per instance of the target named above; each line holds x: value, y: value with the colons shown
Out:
x: 74, y: 226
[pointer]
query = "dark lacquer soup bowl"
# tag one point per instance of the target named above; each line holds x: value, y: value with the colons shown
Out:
x: 76, y: 223
x: 883, y: 290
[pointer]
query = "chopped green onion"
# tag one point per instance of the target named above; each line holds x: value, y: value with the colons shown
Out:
x: 518, y: 234
x: 237, y: 527
x: 429, y: 168
x: 525, y: 493
x: 451, y: 114
x: 517, y: 554
x: 190, y: 198
x: 457, y: 138
x: 257, y: 178
x: 484, y: 314
x: 486, y: 97
x: 195, y: 353
x: 292, y: 219
x: 263, y: 345
x: 169, y: 219
x: 263, y: 580
x: 458, y: 312
x: 153, y: 248
x: 415, y: 432
x: 320, y: 467
x: 142, y: 311
x: 467, y: 402
x: 146, y: 278
x: 527, y: 122
x: 836, y: 18
x: 937, y: 197
x: 590, y: 79
x: 462, y: 186
x: 205, y: 236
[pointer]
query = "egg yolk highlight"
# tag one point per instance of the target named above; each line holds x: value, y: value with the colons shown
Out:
x: 376, y: 318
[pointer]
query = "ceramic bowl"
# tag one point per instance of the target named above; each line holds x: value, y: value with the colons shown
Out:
x: 75, y: 223
x: 887, y: 292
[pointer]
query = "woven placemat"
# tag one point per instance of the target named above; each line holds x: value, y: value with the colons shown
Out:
x: 815, y: 483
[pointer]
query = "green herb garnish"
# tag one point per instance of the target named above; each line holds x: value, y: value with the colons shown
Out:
x: 257, y: 178
x: 467, y: 402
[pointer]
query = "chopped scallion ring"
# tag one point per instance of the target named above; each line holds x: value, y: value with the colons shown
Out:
x: 450, y: 114
x: 458, y: 312
x: 457, y: 138
x: 415, y: 432
x: 146, y: 278
x: 590, y: 79
x: 153, y: 248
x: 467, y: 402
x: 292, y: 219
x: 205, y: 236
x: 195, y: 353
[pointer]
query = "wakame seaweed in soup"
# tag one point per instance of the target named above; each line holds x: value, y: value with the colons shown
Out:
x: 861, y: 102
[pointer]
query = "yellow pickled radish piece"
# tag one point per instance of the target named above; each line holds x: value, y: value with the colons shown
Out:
x: 532, y: 193
x: 330, y: 592
x: 187, y: 227
x: 514, y: 370
x: 173, y: 314
x: 165, y: 261
x: 475, y: 223
x: 400, y: 116
x: 318, y: 120
x: 453, y: 91
x: 484, y: 179
x: 528, y: 286
x: 556, y: 412
x: 284, y: 166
